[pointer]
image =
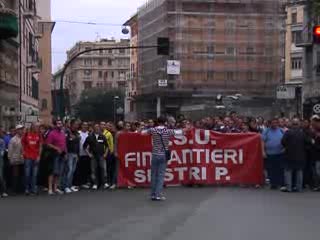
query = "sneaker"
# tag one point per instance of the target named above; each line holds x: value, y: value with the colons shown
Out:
x: 27, y: 193
x: 160, y: 198
x: 50, y: 192
x: 94, y: 187
x: 315, y: 189
x: 106, y: 186
x: 129, y: 187
x: 85, y: 186
x: 113, y: 187
x: 284, y: 189
x: 67, y: 190
x: 58, y: 191
x: 4, y: 195
x: 153, y: 198
x: 74, y: 189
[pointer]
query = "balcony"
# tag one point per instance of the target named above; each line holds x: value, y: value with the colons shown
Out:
x: 306, y: 38
x: 30, y: 11
x: 8, y: 24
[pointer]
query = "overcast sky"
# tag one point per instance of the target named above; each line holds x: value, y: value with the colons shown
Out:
x: 65, y: 35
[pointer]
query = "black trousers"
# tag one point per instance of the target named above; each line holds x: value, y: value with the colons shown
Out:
x: 112, y: 169
x: 83, y: 171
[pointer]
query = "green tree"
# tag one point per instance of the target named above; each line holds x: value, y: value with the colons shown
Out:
x: 98, y: 104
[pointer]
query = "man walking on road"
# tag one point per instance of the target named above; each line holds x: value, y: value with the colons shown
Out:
x: 295, y: 144
x: 96, y: 146
x: 160, y: 155
x: 274, y: 153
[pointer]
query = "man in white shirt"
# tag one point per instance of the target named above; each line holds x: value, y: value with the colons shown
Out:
x: 83, y: 171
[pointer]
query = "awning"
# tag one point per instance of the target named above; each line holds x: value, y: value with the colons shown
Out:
x: 9, y: 27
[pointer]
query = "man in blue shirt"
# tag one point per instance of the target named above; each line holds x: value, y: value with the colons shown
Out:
x: 274, y: 153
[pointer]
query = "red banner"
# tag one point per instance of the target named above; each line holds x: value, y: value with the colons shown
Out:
x: 200, y: 157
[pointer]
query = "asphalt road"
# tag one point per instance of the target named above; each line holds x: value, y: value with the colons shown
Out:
x: 189, y: 213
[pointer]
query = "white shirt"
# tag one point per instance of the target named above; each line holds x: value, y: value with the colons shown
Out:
x: 83, y: 136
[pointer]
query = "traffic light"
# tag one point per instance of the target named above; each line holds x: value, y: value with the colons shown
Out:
x: 163, y: 46
x: 316, y: 34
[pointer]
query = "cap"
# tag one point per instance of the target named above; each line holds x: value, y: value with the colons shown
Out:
x: 19, y: 126
x: 315, y: 118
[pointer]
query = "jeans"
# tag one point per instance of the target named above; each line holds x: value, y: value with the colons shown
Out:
x: 2, y: 182
x: 158, y: 170
x: 275, y: 169
x: 112, y: 169
x: 31, y: 175
x: 69, y: 168
x: 316, y: 174
x: 98, y: 162
x: 297, y: 176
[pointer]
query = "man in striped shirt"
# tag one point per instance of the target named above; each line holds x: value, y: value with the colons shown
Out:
x: 160, y: 144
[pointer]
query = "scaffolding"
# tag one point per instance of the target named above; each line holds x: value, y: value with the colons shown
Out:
x: 225, y: 46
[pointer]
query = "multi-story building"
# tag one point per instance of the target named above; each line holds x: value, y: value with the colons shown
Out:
x: 29, y: 61
x: 225, y: 48
x: 294, y: 56
x: 9, y: 45
x: 56, y: 93
x: 45, y: 28
x: 99, y: 69
x: 132, y: 83
x: 311, y: 59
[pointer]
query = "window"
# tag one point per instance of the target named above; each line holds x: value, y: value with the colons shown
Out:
x: 100, y: 52
x: 87, y: 85
x: 87, y: 62
x: 100, y: 62
x: 230, y: 27
x: 112, y: 74
x: 250, y: 76
x: 294, y: 16
x: 100, y: 74
x: 88, y: 48
x: 87, y: 72
x: 210, y: 75
x: 296, y: 37
x: 296, y: 63
x: 122, y: 51
x: 269, y: 76
x: 44, y: 104
x: 230, y: 76
x: 230, y: 51
x: 250, y: 50
x: 110, y: 51
x: 109, y: 62
x: 210, y: 49
x: 105, y: 75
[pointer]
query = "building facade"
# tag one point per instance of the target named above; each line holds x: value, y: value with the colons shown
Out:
x: 99, y: 69
x: 45, y: 28
x: 132, y: 82
x: 29, y: 60
x: 9, y: 50
x: 311, y: 59
x: 225, y: 48
x: 294, y: 57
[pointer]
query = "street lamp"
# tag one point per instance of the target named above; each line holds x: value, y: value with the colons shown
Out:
x: 115, y: 99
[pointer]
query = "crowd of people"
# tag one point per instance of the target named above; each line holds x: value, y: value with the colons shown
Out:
x: 66, y: 157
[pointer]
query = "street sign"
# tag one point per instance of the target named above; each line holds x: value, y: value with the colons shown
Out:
x: 162, y: 82
x: 286, y: 92
x: 316, y: 108
x: 31, y: 118
x: 173, y: 67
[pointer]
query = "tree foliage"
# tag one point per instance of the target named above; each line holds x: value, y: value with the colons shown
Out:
x: 98, y: 104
